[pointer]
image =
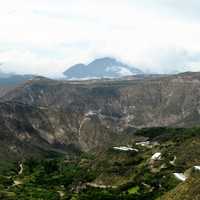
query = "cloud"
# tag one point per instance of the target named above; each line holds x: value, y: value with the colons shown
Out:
x: 48, y: 36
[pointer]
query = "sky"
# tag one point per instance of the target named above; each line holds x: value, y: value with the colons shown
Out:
x: 48, y: 36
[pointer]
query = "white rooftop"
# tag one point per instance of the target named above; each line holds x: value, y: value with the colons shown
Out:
x: 197, y: 167
x: 156, y: 156
x: 180, y: 176
x: 124, y: 148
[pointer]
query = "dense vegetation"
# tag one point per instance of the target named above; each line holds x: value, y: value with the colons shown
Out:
x: 111, y: 174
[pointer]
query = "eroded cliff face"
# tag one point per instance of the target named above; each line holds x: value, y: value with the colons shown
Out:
x: 95, y: 115
x: 29, y: 130
x: 166, y: 101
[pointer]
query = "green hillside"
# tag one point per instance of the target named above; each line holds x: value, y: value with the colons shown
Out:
x: 112, y: 174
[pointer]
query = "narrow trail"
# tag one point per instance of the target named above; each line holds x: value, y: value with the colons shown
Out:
x: 61, y: 193
x: 18, y: 182
x: 100, y: 186
x: 21, y: 169
x: 81, y: 125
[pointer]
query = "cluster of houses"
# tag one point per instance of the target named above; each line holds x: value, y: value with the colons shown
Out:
x: 156, y: 157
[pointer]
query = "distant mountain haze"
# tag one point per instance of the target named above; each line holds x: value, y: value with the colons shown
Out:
x: 101, y: 68
x: 4, y: 75
x: 9, y: 81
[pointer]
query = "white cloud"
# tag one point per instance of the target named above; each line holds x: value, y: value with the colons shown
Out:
x: 48, y: 36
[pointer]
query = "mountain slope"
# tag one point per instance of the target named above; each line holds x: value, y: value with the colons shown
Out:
x: 37, y: 131
x: 166, y: 101
x: 190, y: 190
x: 114, y: 173
x: 101, y: 68
x: 88, y: 116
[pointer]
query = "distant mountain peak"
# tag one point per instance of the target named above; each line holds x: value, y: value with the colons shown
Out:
x: 106, y: 67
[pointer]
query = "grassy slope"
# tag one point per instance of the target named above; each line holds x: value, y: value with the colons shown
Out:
x: 128, y: 171
x: 190, y: 190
